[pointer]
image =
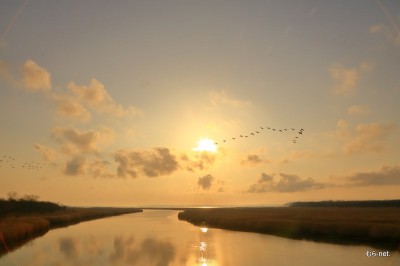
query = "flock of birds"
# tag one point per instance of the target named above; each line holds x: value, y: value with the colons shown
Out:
x: 9, y: 161
x: 294, y: 140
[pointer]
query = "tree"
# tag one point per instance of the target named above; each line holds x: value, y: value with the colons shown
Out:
x: 30, y: 197
x: 12, y: 195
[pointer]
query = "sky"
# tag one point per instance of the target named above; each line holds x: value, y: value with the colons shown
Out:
x: 132, y: 103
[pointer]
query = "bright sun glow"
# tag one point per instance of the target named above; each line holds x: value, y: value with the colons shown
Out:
x: 206, y: 145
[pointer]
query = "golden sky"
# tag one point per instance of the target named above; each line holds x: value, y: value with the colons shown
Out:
x: 106, y: 103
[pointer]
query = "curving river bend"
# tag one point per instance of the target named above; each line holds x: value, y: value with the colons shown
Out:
x: 157, y: 237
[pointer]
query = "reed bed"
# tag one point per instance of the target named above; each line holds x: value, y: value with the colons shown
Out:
x: 17, y: 230
x: 378, y: 227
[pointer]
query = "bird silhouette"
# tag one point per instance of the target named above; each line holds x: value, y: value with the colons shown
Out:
x: 252, y: 133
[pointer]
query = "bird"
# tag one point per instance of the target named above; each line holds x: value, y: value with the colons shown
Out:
x: 246, y: 136
x: 273, y: 129
x: 233, y: 138
x: 216, y: 143
x: 285, y: 129
x: 257, y: 132
x: 241, y: 136
x: 280, y: 130
x: 300, y: 132
x: 224, y: 140
x: 252, y: 133
x: 261, y: 127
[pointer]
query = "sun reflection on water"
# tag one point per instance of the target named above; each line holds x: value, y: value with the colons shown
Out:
x: 204, y: 229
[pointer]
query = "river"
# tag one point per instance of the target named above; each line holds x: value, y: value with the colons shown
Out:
x: 157, y: 237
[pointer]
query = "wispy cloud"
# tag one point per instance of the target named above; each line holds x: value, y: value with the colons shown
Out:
x: 252, y: 159
x: 368, y: 138
x: 386, y: 175
x: 283, y: 183
x: 391, y: 35
x: 221, y: 97
x: 48, y: 154
x: 358, y: 110
x: 347, y: 77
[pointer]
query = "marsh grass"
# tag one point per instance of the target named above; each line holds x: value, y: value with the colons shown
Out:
x: 378, y: 227
x: 18, y: 229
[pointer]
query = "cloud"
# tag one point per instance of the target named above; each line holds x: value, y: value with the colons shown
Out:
x: 391, y: 36
x: 387, y: 175
x: 96, y: 96
x: 68, y: 247
x: 121, y: 247
x: 197, y: 160
x: 342, y: 129
x: 205, y: 182
x: 222, y: 98
x: 368, y: 138
x: 149, y: 251
x: 74, y: 141
x: 252, y: 159
x: 68, y: 106
x: 47, y: 153
x: 76, y: 166
x: 358, y: 110
x: 347, y: 79
x: 151, y: 163
x: 286, y: 183
x: 34, y: 77
x: 99, y: 168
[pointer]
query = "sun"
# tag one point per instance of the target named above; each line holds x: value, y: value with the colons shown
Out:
x: 206, y: 145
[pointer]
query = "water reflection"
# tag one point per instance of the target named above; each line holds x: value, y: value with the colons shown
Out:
x: 159, y: 238
x: 206, y: 248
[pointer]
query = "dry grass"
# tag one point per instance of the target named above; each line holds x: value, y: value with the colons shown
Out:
x: 378, y: 227
x: 17, y: 230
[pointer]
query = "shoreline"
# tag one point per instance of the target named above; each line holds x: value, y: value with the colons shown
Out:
x: 375, y: 227
x: 15, y: 231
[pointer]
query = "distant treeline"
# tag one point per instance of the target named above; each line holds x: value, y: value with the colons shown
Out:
x: 353, y: 203
x: 26, y: 205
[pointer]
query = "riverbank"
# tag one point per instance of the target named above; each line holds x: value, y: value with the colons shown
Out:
x: 18, y: 229
x: 376, y: 227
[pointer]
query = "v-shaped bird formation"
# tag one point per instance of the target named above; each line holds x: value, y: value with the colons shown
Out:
x: 299, y: 133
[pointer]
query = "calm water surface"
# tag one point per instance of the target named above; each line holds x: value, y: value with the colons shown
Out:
x: 159, y: 238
